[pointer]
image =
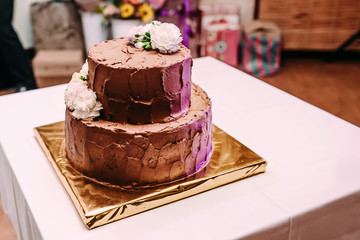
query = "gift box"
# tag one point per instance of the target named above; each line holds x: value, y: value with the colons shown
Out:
x: 220, y: 32
x: 184, y: 14
x: 52, y: 67
x: 222, y: 42
x: 261, y: 48
x: 56, y: 25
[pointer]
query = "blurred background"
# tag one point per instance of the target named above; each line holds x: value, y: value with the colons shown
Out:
x: 308, y: 48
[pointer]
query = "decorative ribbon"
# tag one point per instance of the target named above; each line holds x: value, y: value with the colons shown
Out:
x: 184, y: 13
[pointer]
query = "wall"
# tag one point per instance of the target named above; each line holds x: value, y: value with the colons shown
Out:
x: 313, y: 24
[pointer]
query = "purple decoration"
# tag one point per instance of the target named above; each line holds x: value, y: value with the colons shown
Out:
x: 183, y: 14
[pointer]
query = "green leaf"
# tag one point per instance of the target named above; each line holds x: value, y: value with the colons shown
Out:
x: 136, y: 40
x: 147, y: 34
x: 148, y: 47
x: 83, y: 78
x: 137, y: 35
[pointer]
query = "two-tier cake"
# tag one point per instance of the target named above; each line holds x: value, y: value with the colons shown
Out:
x: 133, y: 116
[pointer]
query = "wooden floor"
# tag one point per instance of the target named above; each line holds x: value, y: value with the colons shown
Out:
x: 332, y: 86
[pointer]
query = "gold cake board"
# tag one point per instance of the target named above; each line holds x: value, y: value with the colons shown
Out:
x: 99, y: 204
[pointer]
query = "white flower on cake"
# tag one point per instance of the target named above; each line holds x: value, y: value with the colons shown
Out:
x: 85, y: 70
x: 140, y: 31
x: 149, y: 26
x: 134, y: 30
x: 79, y: 98
x: 164, y: 37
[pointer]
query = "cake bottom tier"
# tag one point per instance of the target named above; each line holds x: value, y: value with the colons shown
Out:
x: 142, y: 155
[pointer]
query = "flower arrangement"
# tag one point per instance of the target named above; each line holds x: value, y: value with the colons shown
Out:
x: 81, y: 100
x: 125, y: 9
x: 163, y: 37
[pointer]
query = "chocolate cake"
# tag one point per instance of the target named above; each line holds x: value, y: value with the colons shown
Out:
x: 154, y: 87
x: 154, y: 125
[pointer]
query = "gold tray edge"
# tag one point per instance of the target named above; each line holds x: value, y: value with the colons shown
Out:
x: 60, y: 175
x: 96, y: 219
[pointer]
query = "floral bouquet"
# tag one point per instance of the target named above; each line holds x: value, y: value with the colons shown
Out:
x: 126, y: 9
x: 163, y: 37
x: 108, y: 19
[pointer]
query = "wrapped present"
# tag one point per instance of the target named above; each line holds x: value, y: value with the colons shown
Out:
x: 222, y: 41
x: 261, y: 48
x: 184, y: 14
x: 56, y: 25
x: 220, y: 32
x: 52, y: 67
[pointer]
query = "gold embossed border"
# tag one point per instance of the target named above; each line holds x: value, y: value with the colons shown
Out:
x: 98, y: 204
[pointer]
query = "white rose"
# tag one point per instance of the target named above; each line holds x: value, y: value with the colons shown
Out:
x: 156, y: 23
x: 85, y: 70
x: 134, y: 30
x: 149, y: 26
x: 141, y: 30
x: 76, y: 77
x: 165, y: 37
x: 82, y: 100
x: 146, y: 28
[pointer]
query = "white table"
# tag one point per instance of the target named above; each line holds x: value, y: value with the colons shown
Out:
x: 311, y: 189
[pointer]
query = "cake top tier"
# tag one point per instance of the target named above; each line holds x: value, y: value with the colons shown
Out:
x: 120, y: 53
x: 144, y: 78
x: 139, y: 86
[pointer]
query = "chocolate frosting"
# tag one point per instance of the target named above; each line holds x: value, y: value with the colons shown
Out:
x: 128, y: 154
x: 137, y: 86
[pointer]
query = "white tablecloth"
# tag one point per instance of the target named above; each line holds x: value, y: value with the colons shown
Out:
x: 311, y: 189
